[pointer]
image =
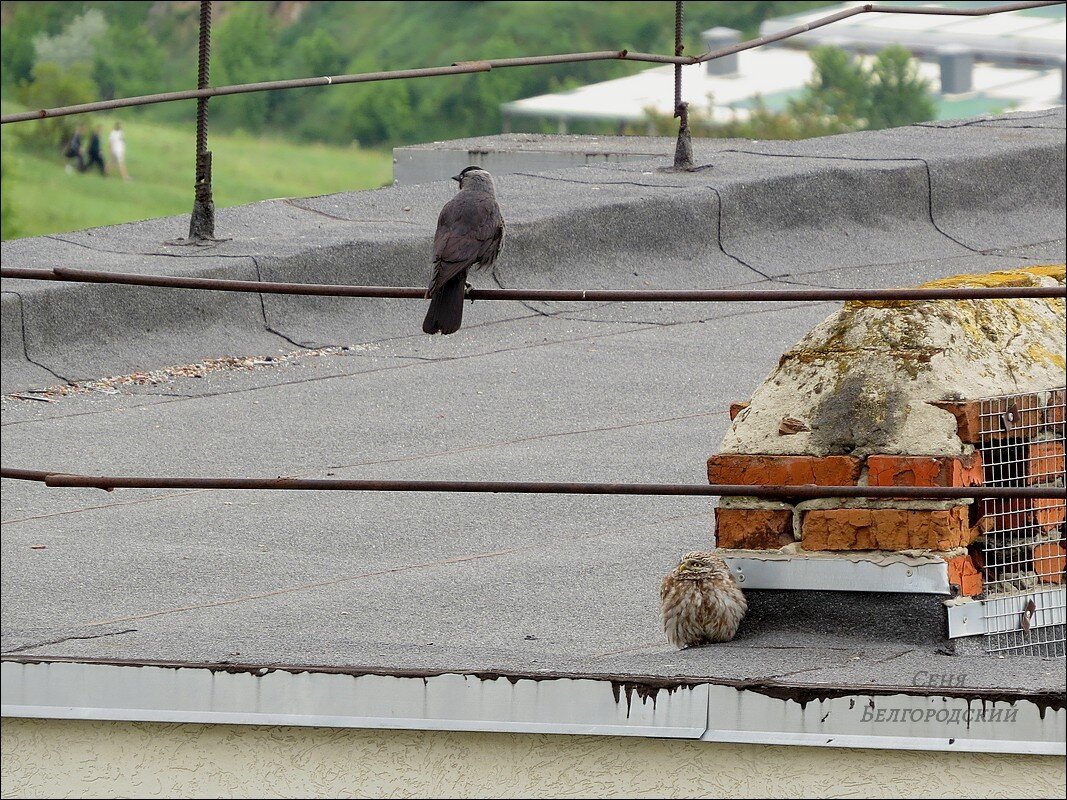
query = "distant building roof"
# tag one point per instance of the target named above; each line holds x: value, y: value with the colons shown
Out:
x: 1019, y: 55
x: 1031, y: 35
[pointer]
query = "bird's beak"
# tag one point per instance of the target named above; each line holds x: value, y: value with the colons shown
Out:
x: 457, y: 178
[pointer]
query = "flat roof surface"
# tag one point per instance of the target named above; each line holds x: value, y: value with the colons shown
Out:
x: 539, y: 391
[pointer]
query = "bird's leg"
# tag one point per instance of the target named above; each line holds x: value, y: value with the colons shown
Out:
x: 468, y: 286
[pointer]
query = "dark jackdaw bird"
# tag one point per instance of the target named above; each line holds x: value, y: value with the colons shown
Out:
x: 470, y: 233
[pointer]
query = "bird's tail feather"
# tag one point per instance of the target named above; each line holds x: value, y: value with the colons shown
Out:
x: 445, y: 314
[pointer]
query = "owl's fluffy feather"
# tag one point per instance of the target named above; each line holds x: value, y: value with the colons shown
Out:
x: 701, y: 602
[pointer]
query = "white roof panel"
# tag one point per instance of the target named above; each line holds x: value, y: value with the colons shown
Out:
x: 906, y: 23
x: 763, y: 72
x: 998, y: 25
x: 1003, y: 36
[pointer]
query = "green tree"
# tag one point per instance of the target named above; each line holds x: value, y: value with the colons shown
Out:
x: 17, y: 53
x: 839, y: 87
x: 898, y: 95
x: 61, y: 76
x: 54, y: 86
x: 317, y: 53
x: 313, y: 114
x: 75, y: 44
x: 401, y: 35
x: 123, y: 70
x: 379, y: 112
x: 885, y: 94
x: 245, y: 50
x: 842, y: 95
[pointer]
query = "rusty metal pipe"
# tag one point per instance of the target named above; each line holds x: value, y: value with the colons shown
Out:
x: 599, y: 295
x: 458, y: 68
x: 24, y: 474
x: 808, y: 491
x: 979, y: 11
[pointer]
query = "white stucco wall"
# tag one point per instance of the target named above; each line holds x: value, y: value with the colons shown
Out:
x: 64, y: 758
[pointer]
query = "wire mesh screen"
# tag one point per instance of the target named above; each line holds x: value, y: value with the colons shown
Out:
x: 1022, y: 444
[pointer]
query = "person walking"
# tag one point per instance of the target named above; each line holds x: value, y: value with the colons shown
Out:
x: 73, y: 152
x: 117, y: 142
x: 95, y: 158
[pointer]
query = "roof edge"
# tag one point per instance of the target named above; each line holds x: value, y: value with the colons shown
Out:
x: 757, y: 711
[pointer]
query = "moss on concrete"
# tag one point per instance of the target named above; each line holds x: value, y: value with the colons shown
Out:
x: 861, y: 379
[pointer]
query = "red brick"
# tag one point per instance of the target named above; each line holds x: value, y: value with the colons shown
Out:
x: 885, y: 529
x: 892, y: 470
x: 754, y: 470
x: 852, y: 529
x: 1006, y: 513
x: 1044, y: 462
x: 966, y: 574
x: 753, y: 528
x: 967, y: 415
x: 971, y: 425
x: 1054, y: 409
x: 735, y: 409
x: 1049, y: 513
x: 1049, y: 561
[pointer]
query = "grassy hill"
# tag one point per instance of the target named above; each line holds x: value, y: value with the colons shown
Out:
x: 44, y: 198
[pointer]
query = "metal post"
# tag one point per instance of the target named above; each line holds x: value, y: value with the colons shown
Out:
x: 683, y: 149
x: 202, y: 222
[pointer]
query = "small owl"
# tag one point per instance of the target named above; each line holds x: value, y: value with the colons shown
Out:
x: 701, y: 602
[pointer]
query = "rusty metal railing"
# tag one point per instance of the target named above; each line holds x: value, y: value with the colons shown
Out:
x: 562, y: 295
x: 485, y: 65
x: 806, y: 491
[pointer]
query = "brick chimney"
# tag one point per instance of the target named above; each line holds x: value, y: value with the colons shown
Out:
x: 891, y: 394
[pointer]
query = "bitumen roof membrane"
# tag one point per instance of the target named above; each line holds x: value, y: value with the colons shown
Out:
x: 525, y: 391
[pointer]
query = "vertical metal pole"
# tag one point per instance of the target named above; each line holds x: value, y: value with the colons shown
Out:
x: 679, y: 12
x: 202, y: 222
x: 683, y: 150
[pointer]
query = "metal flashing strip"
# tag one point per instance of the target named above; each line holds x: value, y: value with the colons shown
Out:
x: 838, y: 574
x: 966, y: 617
x: 833, y: 716
x: 1007, y: 613
x: 971, y: 617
